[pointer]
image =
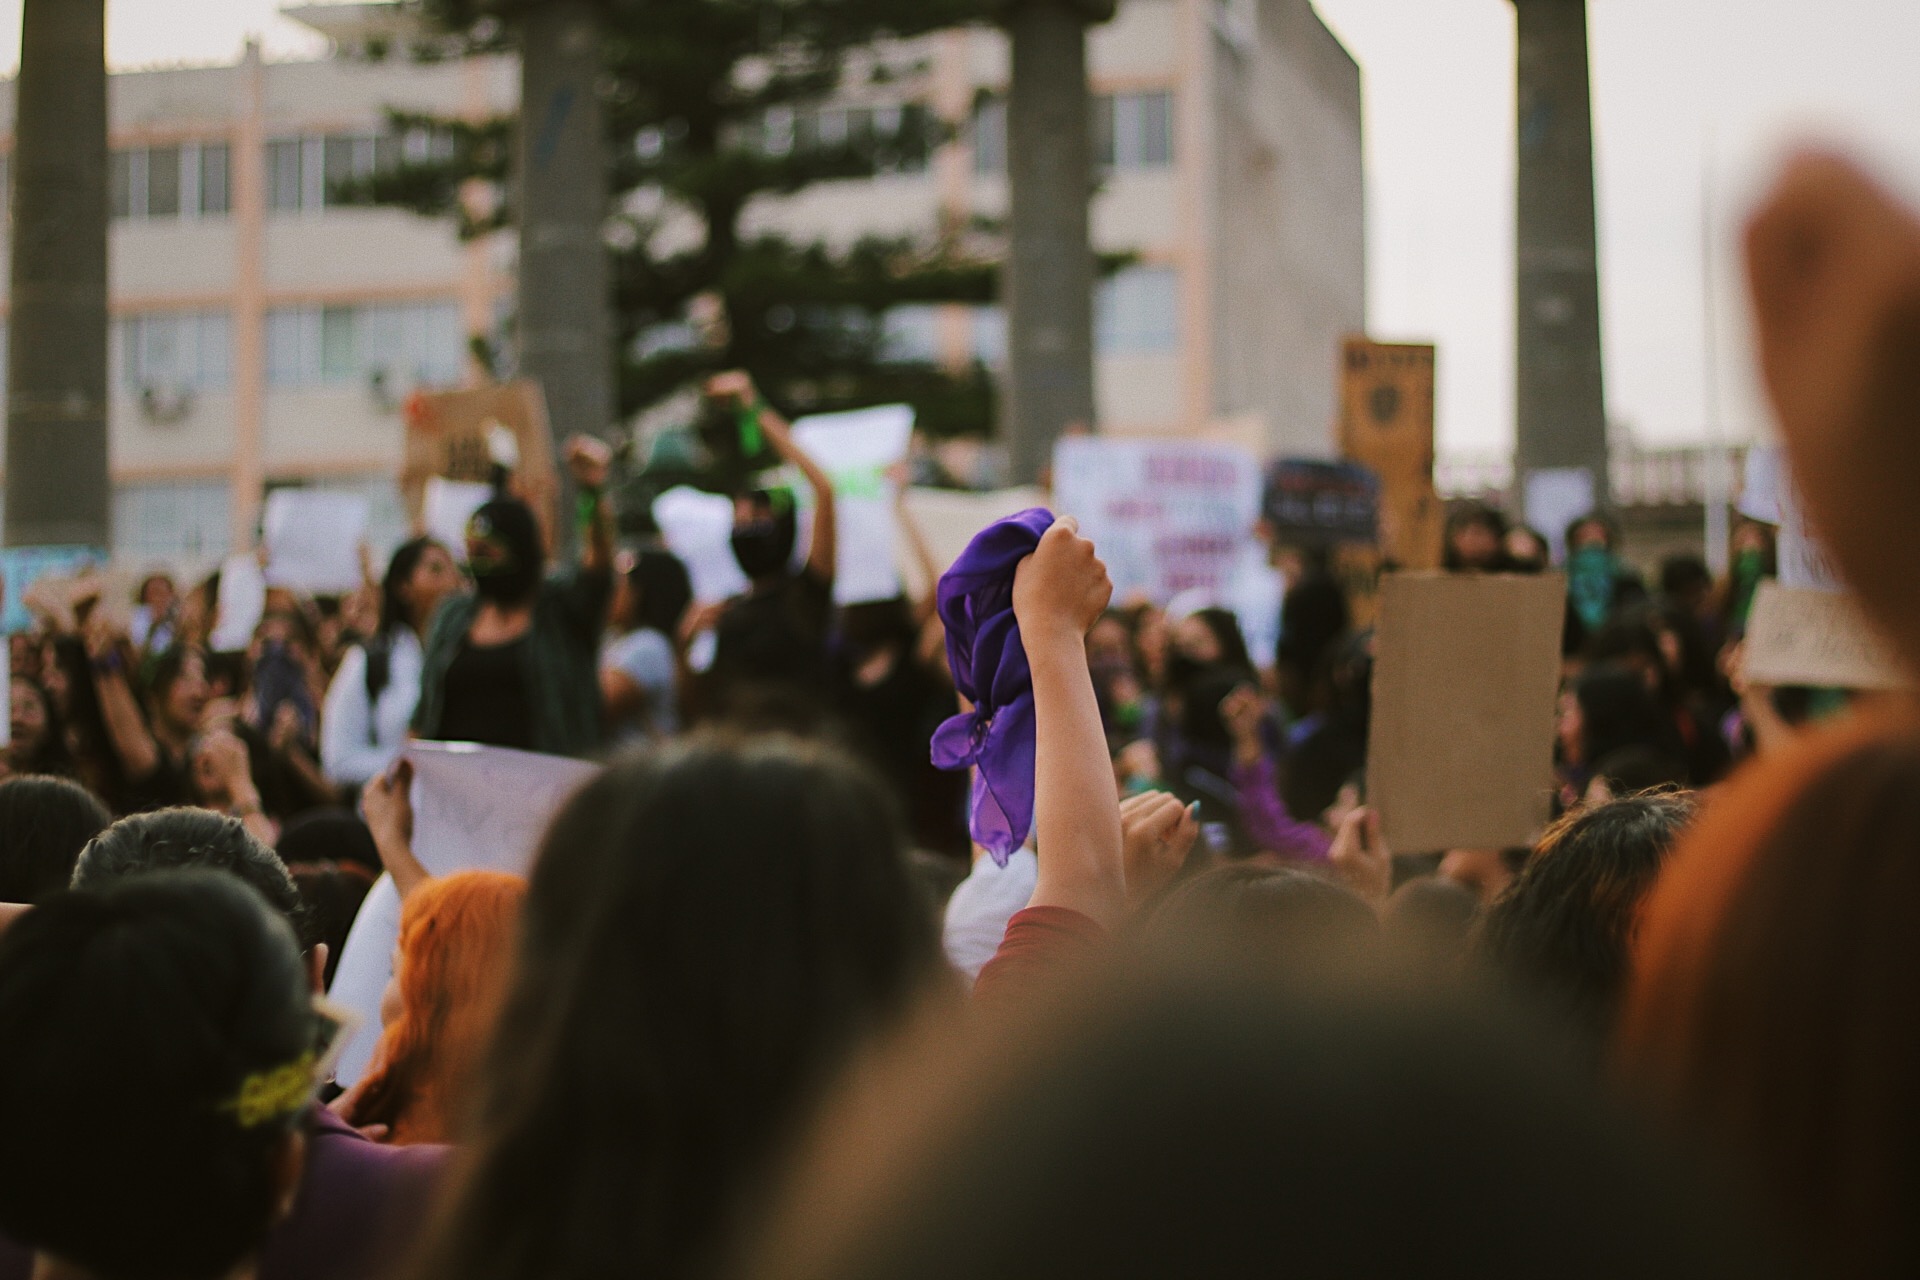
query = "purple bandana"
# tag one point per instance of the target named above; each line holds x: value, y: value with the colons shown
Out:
x: 975, y: 603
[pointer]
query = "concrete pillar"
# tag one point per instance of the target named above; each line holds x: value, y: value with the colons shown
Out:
x: 57, y: 486
x: 1048, y: 284
x: 1560, y: 404
x: 247, y: 469
x: 565, y: 299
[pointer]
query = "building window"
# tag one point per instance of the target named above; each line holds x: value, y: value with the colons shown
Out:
x: 910, y: 334
x: 176, y: 351
x: 1137, y: 312
x: 990, y: 134
x: 406, y: 344
x: 1133, y: 130
x: 1130, y: 131
x: 990, y: 336
x: 185, y: 181
x: 172, y: 521
x: 303, y: 174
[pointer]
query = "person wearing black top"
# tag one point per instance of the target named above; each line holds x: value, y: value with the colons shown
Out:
x: 770, y: 643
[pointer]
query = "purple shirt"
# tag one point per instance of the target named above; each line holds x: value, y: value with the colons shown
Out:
x: 975, y: 603
x: 1266, y: 820
x: 360, y: 1206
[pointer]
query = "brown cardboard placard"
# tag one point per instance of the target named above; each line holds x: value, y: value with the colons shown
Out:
x: 447, y: 437
x: 1386, y: 423
x: 1806, y: 636
x: 1466, y: 680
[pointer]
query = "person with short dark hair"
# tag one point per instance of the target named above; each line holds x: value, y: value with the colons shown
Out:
x: 1562, y: 931
x: 44, y: 824
x: 161, y: 1044
x: 358, y: 1200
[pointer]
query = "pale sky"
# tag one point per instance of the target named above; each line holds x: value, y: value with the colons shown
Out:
x: 1682, y: 88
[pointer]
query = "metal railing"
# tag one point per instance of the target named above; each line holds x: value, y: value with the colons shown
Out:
x: 1641, y: 477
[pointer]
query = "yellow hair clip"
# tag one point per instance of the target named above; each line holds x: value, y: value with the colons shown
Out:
x: 266, y: 1096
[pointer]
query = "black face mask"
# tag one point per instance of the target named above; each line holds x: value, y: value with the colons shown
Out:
x: 763, y: 548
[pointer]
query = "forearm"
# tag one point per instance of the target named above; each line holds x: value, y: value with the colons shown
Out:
x: 407, y: 870
x: 596, y: 534
x: 1076, y: 806
x: 126, y: 727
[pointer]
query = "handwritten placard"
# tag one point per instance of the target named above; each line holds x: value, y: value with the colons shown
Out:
x: 1807, y: 636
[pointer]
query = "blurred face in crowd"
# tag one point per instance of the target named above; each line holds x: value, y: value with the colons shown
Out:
x: 1108, y: 645
x: 1195, y: 640
x: 1589, y: 533
x: 28, y: 717
x: 1570, y: 726
x: 432, y: 580
x: 1526, y: 549
x: 157, y: 594
x: 1476, y: 543
x: 184, y: 701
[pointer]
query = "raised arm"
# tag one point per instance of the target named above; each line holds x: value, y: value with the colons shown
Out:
x: 590, y: 461
x: 1058, y: 593
x: 127, y: 730
x: 737, y: 388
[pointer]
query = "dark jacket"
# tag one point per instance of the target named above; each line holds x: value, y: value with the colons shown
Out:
x: 562, y: 661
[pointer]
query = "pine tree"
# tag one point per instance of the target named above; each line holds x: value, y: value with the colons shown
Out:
x: 709, y: 105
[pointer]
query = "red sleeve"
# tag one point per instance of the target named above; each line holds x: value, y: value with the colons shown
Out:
x: 1040, y: 943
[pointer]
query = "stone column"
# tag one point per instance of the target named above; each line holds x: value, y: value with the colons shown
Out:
x: 1560, y: 405
x: 565, y: 300
x: 57, y: 483
x: 1048, y: 282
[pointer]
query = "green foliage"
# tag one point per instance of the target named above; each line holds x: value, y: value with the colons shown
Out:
x: 710, y: 105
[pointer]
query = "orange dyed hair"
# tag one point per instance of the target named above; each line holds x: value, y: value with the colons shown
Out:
x: 1774, y: 1003
x: 457, y: 938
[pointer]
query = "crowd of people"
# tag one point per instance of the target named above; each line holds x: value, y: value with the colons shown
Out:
x: 763, y: 1011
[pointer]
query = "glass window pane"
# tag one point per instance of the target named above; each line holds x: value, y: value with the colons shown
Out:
x: 215, y: 350
x: 285, y: 368
x: 338, y: 362
x: 909, y: 334
x: 313, y: 184
x: 215, y: 197
x: 446, y: 345
x: 1137, y: 311
x: 990, y: 135
x: 163, y: 182
x: 990, y: 336
x: 283, y: 175
x: 119, y: 184
x: 1156, y: 130
x: 1103, y: 130
x: 127, y: 333
x: 386, y: 152
x: 338, y: 162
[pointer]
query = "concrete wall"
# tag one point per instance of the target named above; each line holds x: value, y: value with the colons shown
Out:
x: 1289, y: 226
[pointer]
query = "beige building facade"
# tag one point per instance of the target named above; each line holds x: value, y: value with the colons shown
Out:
x: 263, y: 336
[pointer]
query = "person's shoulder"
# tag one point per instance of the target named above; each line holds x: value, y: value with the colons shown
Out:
x: 336, y: 1150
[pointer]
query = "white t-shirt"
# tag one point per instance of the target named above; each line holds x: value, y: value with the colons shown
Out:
x: 978, y: 912
x: 646, y: 658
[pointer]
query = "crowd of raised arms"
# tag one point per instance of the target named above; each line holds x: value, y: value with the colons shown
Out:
x: 763, y: 1011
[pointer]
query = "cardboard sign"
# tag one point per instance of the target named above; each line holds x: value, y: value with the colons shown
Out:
x: 856, y: 450
x: 1806, y: 636
x: 1321, y: 503
x: 1386, y: 424
x: 946, y: 520
x: 475, y: 808
x: 1466, y: 679
x: 1168, y: 516
x: 313, y: 539
x: 447, y: 437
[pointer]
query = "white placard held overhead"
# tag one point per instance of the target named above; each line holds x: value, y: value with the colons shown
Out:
x: 314, y: 538
x: 948, y: 519
x: 243, y: 601
x: 446, y: 507
x: 1168, y: 516
x: 698, y: 527
x: 474, y: 808
x: 856, y: 450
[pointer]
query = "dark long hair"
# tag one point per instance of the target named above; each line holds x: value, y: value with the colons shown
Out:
x: 393, y: 613
x: 139, y: 1022
x: 659, y: 578
x: 710, y: 931
x: 44, y: 824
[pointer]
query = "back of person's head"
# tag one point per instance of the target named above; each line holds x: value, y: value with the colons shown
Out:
x: 328, y: 835
x: 160, y: 1045
x: 1775, y: 999
x: 1431, y: 921
x: 44, y: 824
x: 1631, y: 770
x: 1685, y: 580
x: 455, y: 951
x: 659, y: 580
x: 331, y: 894
x: 710, y: 931
x: 1563, y: 929
x: 1267, y: 910
x: 191, y: 839
x: 1212, y: 1125
x: 1617, y: 711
